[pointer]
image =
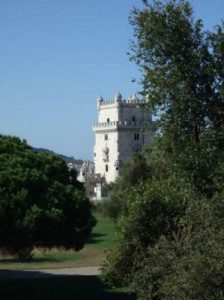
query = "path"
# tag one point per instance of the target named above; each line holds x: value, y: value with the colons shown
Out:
x: 46, y: 273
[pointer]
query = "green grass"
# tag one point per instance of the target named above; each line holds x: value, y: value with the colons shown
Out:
x: 104, y: 233
x: 60, y: 255
x: 102, y: 238
x: 64, y: 287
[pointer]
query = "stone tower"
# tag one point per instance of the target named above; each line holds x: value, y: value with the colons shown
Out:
x: 123, y: 127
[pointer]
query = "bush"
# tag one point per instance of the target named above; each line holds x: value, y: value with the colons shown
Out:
x: 135, y: 170
x: 153, y: 209
x: 190, y: 269
x: 170, y: 240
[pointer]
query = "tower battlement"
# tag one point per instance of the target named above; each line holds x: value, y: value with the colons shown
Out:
x: 131, y: 100
x: 119, y: 125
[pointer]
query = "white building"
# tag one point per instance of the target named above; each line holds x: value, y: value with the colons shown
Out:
x: 86, y: 171
x: 87, y: 177
x: 123, y: 127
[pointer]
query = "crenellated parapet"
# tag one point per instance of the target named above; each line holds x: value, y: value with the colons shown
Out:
x: 118, y: 101
x: 107, y: 102
x: 135, y: 101
x: 116, y: 125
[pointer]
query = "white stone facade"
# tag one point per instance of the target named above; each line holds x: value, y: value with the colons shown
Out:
x: 86, y: 170
x: 123, y: 127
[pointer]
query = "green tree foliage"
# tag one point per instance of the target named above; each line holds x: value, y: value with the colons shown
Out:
x: 170, y: 243
x: 133, y: 171
x: 183, y: 78
x: 41, y: 202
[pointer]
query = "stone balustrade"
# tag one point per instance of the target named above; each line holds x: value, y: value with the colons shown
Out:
x: 122, y: 102
x: 119, y: 124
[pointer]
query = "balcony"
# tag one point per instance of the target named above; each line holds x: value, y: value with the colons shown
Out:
x: 116, y: 125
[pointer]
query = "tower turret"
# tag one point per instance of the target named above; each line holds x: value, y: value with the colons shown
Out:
x: 118, y: 97
x: 99, y: 101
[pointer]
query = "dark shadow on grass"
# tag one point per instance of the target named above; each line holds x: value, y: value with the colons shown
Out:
x: 94, y: 238
x: 56, y: 287
x: 31, y: 260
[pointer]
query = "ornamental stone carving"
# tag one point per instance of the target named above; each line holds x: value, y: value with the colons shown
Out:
x: 105, y: 153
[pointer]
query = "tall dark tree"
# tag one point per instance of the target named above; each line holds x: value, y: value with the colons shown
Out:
x: 41, y: 202
x: 170, y: 241
x: 183, y: 77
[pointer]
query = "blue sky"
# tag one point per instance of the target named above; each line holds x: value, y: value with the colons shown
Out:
x: 57, y: 56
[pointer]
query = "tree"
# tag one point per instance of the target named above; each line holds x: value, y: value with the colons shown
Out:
x: 183, y: 77
x: 135, y: 170
x: 172, y: 220
x: 41, y: 202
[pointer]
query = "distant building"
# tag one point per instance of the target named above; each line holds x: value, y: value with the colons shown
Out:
x: 74, y: 166
x: 86, y: 170
x: 87, y: 177
x: 123, y: 127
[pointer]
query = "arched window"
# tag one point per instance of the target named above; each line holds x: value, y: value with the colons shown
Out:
x: 133, y: 119
x: 108, y: 120
x: 106, y: 168
x: 106, y: 137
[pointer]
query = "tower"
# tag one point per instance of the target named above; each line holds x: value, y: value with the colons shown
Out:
x: 123, y: 127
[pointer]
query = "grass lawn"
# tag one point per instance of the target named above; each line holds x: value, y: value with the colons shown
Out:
x: 65, y: 287
x: 93, y: 254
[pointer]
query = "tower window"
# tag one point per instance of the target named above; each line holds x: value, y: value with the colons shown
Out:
x: 94, y: 154
x: 106, y: 137
x: 133, y: 119
x: 106, y: 168
x: 136, y: 136
x: 117, y: 168
x: 108, y: 120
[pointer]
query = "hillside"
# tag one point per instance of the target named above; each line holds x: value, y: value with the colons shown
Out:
x: 67, y: 159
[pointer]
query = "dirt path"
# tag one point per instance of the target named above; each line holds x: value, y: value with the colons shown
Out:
x: 46, y: 273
